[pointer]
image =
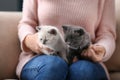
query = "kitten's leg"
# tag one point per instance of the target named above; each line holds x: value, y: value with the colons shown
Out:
x: 52, y: 52
x: 64, y: 56
x: 70, y: 58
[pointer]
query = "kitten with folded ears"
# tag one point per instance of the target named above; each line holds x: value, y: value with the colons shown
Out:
x: 51, y: 37
x: 77, y: 39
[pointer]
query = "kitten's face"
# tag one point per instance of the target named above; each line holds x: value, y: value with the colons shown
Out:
x: 75, y: 36
x: 47, y: 34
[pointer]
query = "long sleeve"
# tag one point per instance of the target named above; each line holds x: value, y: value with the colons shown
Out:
x: 29, y: 20
x: 106, y: 32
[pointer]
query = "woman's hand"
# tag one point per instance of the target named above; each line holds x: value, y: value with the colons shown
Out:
x: 94, y: 53
x: 32, y: 43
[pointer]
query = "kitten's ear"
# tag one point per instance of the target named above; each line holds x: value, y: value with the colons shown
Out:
x: 65, y: 28
x: 53, y: 31
x: 79, y: 31
x: 38, y: 28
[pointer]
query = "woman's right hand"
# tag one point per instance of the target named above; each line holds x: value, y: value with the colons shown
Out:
x: 31, y: 42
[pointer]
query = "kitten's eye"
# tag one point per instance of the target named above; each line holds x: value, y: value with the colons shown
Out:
x: 79, y: 32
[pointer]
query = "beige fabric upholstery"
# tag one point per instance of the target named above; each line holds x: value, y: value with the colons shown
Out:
x: 10, y: 48
x: 9, y: 44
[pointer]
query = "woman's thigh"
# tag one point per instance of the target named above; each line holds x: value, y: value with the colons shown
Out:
x: 86, y: 70
x: 45, y: 67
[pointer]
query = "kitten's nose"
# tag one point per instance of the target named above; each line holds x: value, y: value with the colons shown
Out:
x: 44, y: 42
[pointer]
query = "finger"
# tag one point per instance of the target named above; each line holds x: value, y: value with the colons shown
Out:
x: 75, y: 59
x: 48, y: 49
x: 38, y: 50
x: 91, y: 46
x: 96, y: 49
x: 82, y: 54
x: 85, y: 54
x: 40, y: 45
x: 93, y: 56
x: 99, y: 50
x: 90, y: 54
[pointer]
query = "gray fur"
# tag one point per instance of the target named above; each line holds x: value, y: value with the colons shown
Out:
x: 51, y: 37
x: 77, y: 38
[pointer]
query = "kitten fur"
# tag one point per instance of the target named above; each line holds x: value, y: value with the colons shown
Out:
x: 77, y: 39
x: 51, y: 37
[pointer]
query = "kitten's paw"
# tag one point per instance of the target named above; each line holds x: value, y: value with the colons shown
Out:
x: 55, y: 53
x: 49, y: 52
x: 52, y: 53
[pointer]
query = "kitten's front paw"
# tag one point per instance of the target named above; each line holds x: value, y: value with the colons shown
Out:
x: 52, y: 52
x: 55, y: 53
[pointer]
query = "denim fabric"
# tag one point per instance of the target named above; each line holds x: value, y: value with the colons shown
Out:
x: 47, y: 67
x: 86, y: 70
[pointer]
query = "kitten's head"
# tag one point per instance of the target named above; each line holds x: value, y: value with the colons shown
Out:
x: 47, y: 34
x: 75, y: 36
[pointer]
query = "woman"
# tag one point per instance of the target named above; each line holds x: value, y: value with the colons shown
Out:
x: 97, y: 17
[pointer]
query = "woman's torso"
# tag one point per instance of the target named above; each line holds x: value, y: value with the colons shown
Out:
x: 85, y: 13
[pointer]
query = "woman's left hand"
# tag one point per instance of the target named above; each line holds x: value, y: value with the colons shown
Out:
x: 94, y: 53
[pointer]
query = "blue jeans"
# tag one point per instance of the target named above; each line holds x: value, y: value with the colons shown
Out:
x: 46, y: 67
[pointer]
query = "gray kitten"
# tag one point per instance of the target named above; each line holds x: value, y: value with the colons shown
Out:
x: 51, y: 37
x: 77, y: 40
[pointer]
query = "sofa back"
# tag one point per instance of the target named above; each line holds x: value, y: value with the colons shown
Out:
x: 9, y: 44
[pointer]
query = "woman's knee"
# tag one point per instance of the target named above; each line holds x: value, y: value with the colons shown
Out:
x: 87, y: 70
x: 55, y: 63
x: 47, y: 65
x: 46, y: 60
